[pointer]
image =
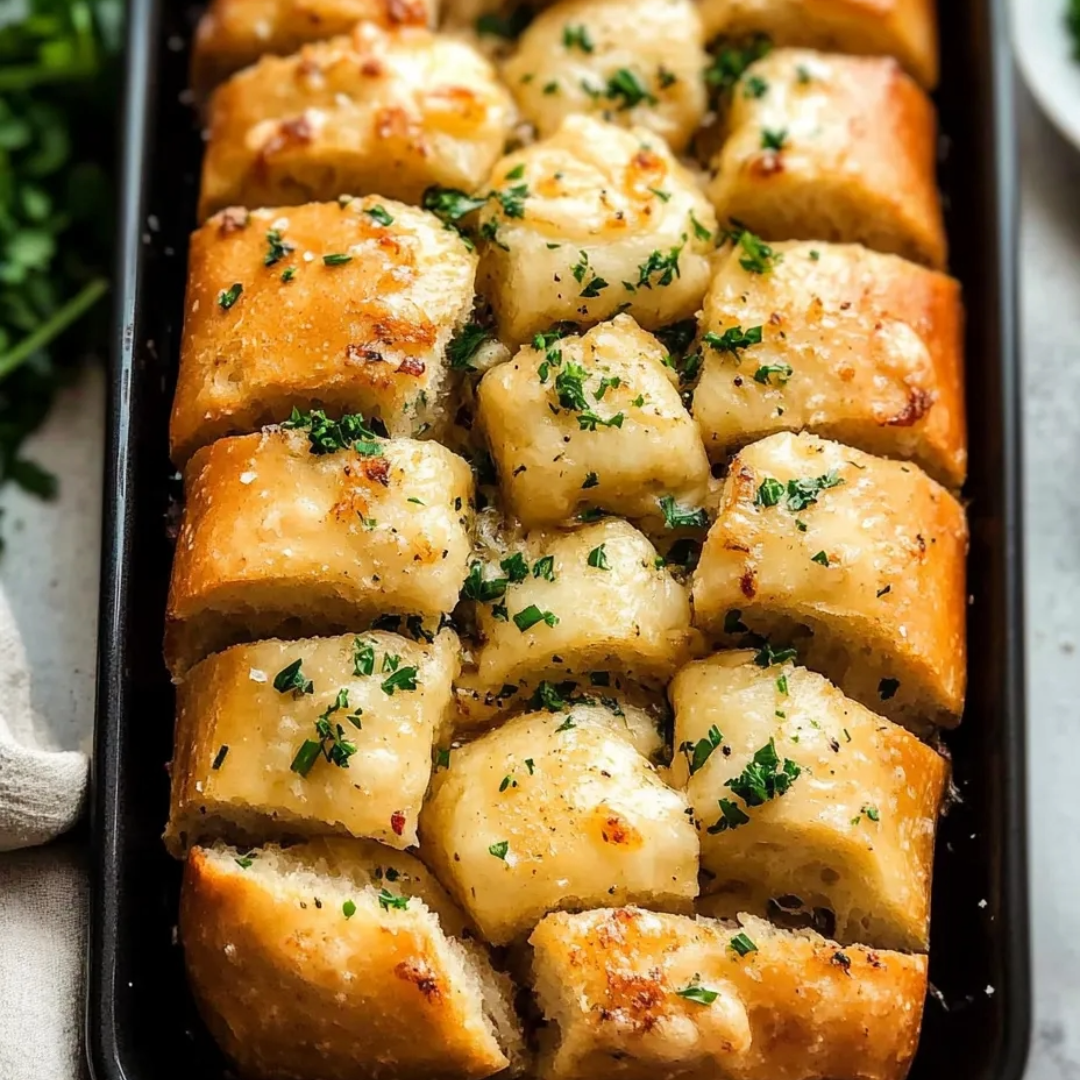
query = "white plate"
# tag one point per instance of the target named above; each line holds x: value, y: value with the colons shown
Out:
x: 1045, y: 53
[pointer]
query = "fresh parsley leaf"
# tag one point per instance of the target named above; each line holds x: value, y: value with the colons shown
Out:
x: 577, y: 37
x: 697, y: 754
x: 731, y: 817
x: 466, y: 344
x: 499, y: 849
x: 450, y: 205
x: 757, y: 257
x: 697, y: 993
x: 773, y: 140
x: 765, y: 777
x: 228, y: 297
x: 403, y: 678
x: 733, y: 339
x: 388, y: 901
x: 741, y: 944
x: 290, y: 680
x: 675, y: 517
x: 731, y: 60
x: 766, y: 372
x: 597, y: 558
x: 516, y: 567
x: 380, y: 214
x: 628, y: 90
x: 544, y: 568
x: 525, y: 620
x: 363, y: 657
x: 767, y: 656
x: 336, y: 258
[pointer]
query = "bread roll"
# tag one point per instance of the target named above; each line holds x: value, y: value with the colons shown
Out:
x: 646, y: 996
x: 278, y: 540
x: 809, y: 807
x: 235, y: 33
x: 904, y: 29
x: 588, y: 236
x: 267, y: 745
x: 835, y: 148
x: 330, y: 960
x: 377, y: 111
x: 599, y: 602
x: 855, y: 561
x: 855, y: 346
x: 636, y: 63
x: 367, y: 334
x: 552, y: 462
x: 557, y: 809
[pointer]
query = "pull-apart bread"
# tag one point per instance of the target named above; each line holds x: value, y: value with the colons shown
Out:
x: 557, y: 809
x: 856, y: 562
x: 344, y: 307
x: 323, y: 735
x: 340, y: 960
x: 593, y: 221
x: 646, y: 996
x: 904, y: 29
x: 386, y: 111
x: 637, y: 63
x: 291, y: 533
x: 810, y: 808
x: 837, y: 148
x: 863, y: 348
x: 598, y: 599
x: 236, y: 33
x: 592, y: 421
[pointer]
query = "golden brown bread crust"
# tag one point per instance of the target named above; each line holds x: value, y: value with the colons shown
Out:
x: 904, y: 29
x: 853, y: 835
x: 277, y: 541
x: 866, y: 578
x: 797, y: 1007
x: 377, y: 111
x: 292, y: 989
x: 237, y: 738
x: 233, y: 34
x: 867, y: 350
x: 856, y: 162
x: 368, y: 336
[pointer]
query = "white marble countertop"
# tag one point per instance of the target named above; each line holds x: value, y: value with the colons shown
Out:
x: 51, y: 564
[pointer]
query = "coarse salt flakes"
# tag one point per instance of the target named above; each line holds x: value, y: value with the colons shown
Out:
x: 247, y: 477
x: 256, y: 675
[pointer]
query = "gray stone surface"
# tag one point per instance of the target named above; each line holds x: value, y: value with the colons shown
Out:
x: 50, y: 573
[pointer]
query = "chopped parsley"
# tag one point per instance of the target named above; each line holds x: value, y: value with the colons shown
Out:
x: 598, y: 558
x: 331, y: 743
x: 765, y: 778
x: 276, y: 248
x: 516, y: 567
x: 288, y: 274
x: 480, y: 589
x: 566, y: 725
x: 327, y: 436
x: 731, y: 61
x: 499, y: 849
x: 403, y: 678
x: 363, y: 657
x: 291, y: 680
x: 766, y: 372
x: 731, y: 817
x: 697, y: 993
x: 591, y: 481
x: 442, y: 758
x: 336, y: 258
x: 757, y: 257
x: 628, y: 90
x: 773, y: 140
x: 577, y: 37
x: 512, y: 200
x: 466, y: 344
x: 595, y: 284
x: 675, y: 517
x: 379, y: 213
x: 525, y: 620
x: 666, y: 266
x: 821, y: 558
x: 697, y: 754
x: 741, y: 944
x: 767, y: 656
x: 388, y: 900
x: 699, y: 230
x: 509, y: 26
x: 733, y: 339
x: 544, y: 568
x: 228, y: 297
x: 570, y: 386
x: 797, y: 494
x: 755, y: 87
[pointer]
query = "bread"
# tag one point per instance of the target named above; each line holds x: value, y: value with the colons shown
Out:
x: 629, y: 993
x: 600, y: 602
x: 280, y: 541
x: 836, y: 148
x: 904, y: 29
x: 593, y: 238
x: 552, y: 464
x: 636, y: 63
x: 386, y: 111
x: 863, y: 348
x: 556, y: 809
x: 368, y: 335
x: 252, y: 762
x: 855, y: 561
x: 848, y: 842
x: 324, y: 962
x: 235, y: 33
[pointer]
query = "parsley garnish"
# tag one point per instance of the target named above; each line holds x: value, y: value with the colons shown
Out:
x: 388, y: 900
x: 732, y: 59
x: 566, y: 725
x: 484, y: 591
x: 544, y: 568
x: 698, y: 753
x: 595, y: 284
x: 699, y: 230
x: 768, y: 656
x: 741, y: 944
x: 288, y: 274
x: 327, y: 436
x: 598, y: 558
x: 626, y: 88
x: 499, y: 849
x: 675, y: 517
x: 276, y: 248
x: 228, y: 297
x: 667, y: 266
x: 698, y: 993
x: 466, y: 344
x: 733, y: 339
x: 336, y: 258
x: 450, y: 205
x: 379, y: 213
x: 402, y: 679
x: 570, y: 386
x: 797, y: 494
x: 363, y: 657
x: 291, y: 679
x: 782, y: 372
x: 512, y: 200
x: 516, y: 567
x: 331, y: 743
x: 821, y: 558
x: 577, y: 37
x: 731, y: 817
x: 532, y: 615
x: 765, y: 777
x: 509, y: 26
x: 773, y: 140
x: 758, y: 257
x: 755, y: 87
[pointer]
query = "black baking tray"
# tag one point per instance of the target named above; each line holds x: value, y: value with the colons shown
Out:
x: 141, y: 1024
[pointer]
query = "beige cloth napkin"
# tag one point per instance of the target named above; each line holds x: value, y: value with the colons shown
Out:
x: 42, y: 892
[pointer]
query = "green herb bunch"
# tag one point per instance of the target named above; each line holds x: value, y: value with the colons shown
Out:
x: 58, y: 83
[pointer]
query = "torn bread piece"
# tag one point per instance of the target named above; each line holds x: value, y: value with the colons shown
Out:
x: 904, y: 29
x: 811, y: 809
x: 343, y: 307
x: 592, y: 421
x: 593, y: 221
x: 852, y: 345
x: 325, y: 960
x: 636, y: 63
x: 233, y: 34
x: 595, y: 599
x: 309, y: 737
x: 289, y: 533
x: 557, y: 809
x: 386, y: 111
x: 649, y: 996
x: 856, y: 562
x: 838, y: 148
